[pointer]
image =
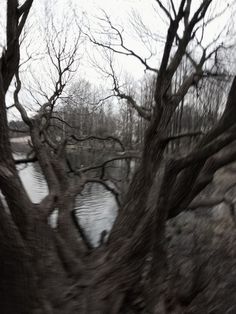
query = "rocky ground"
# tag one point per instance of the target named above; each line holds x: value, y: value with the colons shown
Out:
x: 202, y: 256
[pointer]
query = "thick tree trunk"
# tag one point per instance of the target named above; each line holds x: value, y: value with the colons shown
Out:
x: 47, y: 273
x: 53, y: 271
x: 18, y: 291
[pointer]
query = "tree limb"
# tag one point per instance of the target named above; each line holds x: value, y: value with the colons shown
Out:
x: 99, y: 138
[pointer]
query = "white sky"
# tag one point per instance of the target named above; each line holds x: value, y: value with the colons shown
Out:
x: 120, y: 12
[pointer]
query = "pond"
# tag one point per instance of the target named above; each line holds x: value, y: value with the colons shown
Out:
x: 96, y: 207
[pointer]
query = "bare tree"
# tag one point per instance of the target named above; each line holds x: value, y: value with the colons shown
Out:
x: 56, y: 271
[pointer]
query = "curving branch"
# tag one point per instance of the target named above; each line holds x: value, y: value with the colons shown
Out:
x: 142, y: 112
x: 17, y: 104
x: 181, y: 135
x: 112, y: 46
x: 99, y: 138
x: 16, y: 18
x: 165, y: 10
x: 215, y: 150
x: 124, y: 155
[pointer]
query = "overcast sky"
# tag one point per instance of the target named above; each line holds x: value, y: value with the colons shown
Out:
x: 121, y: 14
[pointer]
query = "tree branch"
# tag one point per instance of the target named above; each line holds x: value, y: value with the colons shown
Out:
x: 182, y: 135
x: 99, y: 138
x: 126, y: 51
x: 107, y: 187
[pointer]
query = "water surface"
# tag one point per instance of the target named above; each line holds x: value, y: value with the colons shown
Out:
x: 96, y: 207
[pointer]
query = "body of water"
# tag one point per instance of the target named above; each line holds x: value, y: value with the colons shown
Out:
x: 96, y: 207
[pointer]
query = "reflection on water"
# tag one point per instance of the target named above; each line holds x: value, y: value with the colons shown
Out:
x: 33, y: 181
x: 96, y: 210
x: 96, y: 207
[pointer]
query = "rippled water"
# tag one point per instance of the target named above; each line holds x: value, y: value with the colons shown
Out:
x: 96, y: 207
x: 33, y: 181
